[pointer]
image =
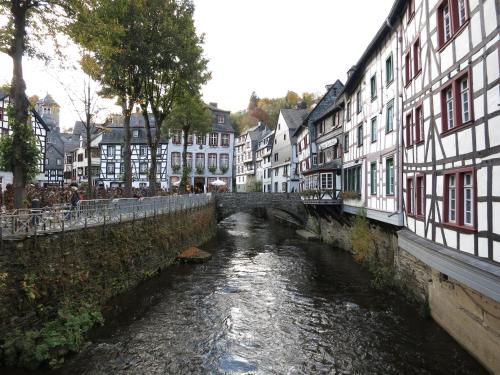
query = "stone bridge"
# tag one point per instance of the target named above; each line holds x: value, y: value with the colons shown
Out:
x: 230, y: 203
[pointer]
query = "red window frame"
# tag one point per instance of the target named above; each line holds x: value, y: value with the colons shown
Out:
x: 408, y: 68
x: 417, y: 62
x: 457, y: 102
x: 420, y: 196
x: 455, y: 26
x: 419, y: 124
x: 459, y: 199
x: 409, y: 129
x: 410, y: 11
x: 410, y: 194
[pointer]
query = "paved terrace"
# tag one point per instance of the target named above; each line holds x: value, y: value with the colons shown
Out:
x: 19, y: 224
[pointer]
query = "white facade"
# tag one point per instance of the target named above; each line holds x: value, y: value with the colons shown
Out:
x: 452, y: 124
x: 371, y: 160
x: 263, y: 162
x: 76, y: 161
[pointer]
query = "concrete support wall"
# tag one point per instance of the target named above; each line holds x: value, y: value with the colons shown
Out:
x: 471, y: 317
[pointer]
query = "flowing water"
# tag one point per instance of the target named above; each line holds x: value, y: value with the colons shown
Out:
x: 268, y: 303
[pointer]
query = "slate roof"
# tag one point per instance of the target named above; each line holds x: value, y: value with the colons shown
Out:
x: 294, y: 118
x: 3, y: 94
x: 48, y: 100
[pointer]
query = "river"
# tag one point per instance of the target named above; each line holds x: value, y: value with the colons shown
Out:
x: 267, y: 303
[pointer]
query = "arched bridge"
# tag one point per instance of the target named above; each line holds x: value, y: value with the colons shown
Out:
x: 228, y: 204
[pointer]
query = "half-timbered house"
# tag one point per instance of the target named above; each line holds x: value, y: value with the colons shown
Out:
x: 111, y: 153
x: 284, y: 156
x: 40, y: 130
x: 263, y: 161
x: 372, y: 133
x: 451, y: 124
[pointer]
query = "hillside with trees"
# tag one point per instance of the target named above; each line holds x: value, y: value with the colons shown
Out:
x: 267, y: 109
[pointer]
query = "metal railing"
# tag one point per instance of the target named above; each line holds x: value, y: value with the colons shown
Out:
x: 33, y: 222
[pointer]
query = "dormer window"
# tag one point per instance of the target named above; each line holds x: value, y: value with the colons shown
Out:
x: 135, y: 134
x: 220, y: 119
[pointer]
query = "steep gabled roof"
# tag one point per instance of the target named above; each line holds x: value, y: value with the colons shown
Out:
x: 294, y: 118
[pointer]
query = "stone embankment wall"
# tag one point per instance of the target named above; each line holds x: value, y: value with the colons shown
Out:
x: 470, y: 317
x: 40, y: 277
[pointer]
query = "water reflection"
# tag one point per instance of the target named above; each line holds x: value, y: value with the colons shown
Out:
x: 269, y: 303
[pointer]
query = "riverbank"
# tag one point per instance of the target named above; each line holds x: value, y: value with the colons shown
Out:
x: 468, y: 315
x: 53, y: 288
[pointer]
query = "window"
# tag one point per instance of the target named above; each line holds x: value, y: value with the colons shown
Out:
x: 409, y: 129
x: 373, y: 87
x: 360, y: 135
x: 110, y: 168
x: 284, y: 137
x: 410, y: 205
x: 200, y: 161
x: 419, y: 124
x: 176, y: 138
x: 389, y: 121
x: 420, y: 196
x: 352, y: 179
x: 373, y: 178
x: 348, y: 112
x: 225, y: 140
x: 111, y: 150
x: 467, y: 198
x: 58, y: 161
x: 220, y: 119
x: 408, y: 68
x: 143, y: 151
x: 359, y: 104
x: 456, y: 103
x: 276, y: 157
x: 189, y: 160
x: 452, y: 15
x: 212, y: 160
x: 276, y: 171
x: 373, y: 128
x: 135, y: 134
x: 224, y: 161
x: 389, y: 176
x: 459, y: 200
x: 389, y: 70
x: 214, y: 139
x: 346, y: 142
x: 410, y: 11
x: 80, y: 157
x: 200, y: 139
x: 122, y: 167
x: 190, y: 139
x: 176, y: 159
x: 417, y: 62
x: 143, y: 168
x: 284, y: 187
x: 327, y: 181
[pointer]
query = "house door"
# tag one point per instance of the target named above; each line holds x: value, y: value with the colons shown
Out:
x: 199, y: 185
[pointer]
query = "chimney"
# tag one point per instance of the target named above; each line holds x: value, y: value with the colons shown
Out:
x: 213, y: 104
x: 351, y: 71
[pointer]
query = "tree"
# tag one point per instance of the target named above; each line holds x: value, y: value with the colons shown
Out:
x: 28, y: 21
x: 172, y: 66
x: 113, y: 33
x: 191, y: 116
x: 292, y: 99
x: 85, y: 104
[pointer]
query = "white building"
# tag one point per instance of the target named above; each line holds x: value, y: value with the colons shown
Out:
x: 284, y: 159
x: 209, y: 156
x: 76, y: 161
x: 451, y: 118
x: 245, y: 149
x: 263, y: 161
x: 372, y: 131
x: 40, y: 130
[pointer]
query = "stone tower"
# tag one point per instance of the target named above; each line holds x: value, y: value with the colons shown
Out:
x: 49, y: 110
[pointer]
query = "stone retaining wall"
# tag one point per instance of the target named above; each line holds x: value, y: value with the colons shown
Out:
x: 40, y: 276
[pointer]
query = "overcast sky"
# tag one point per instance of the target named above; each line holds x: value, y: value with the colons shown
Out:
x: 266, y: 46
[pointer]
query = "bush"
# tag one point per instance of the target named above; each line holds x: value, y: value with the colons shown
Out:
x: 362, y: 238
x: 53, y: 341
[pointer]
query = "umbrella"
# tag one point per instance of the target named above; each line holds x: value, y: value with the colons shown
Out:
x: 218, y: 183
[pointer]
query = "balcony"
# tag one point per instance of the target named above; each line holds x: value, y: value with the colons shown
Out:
x: 321, y: 197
